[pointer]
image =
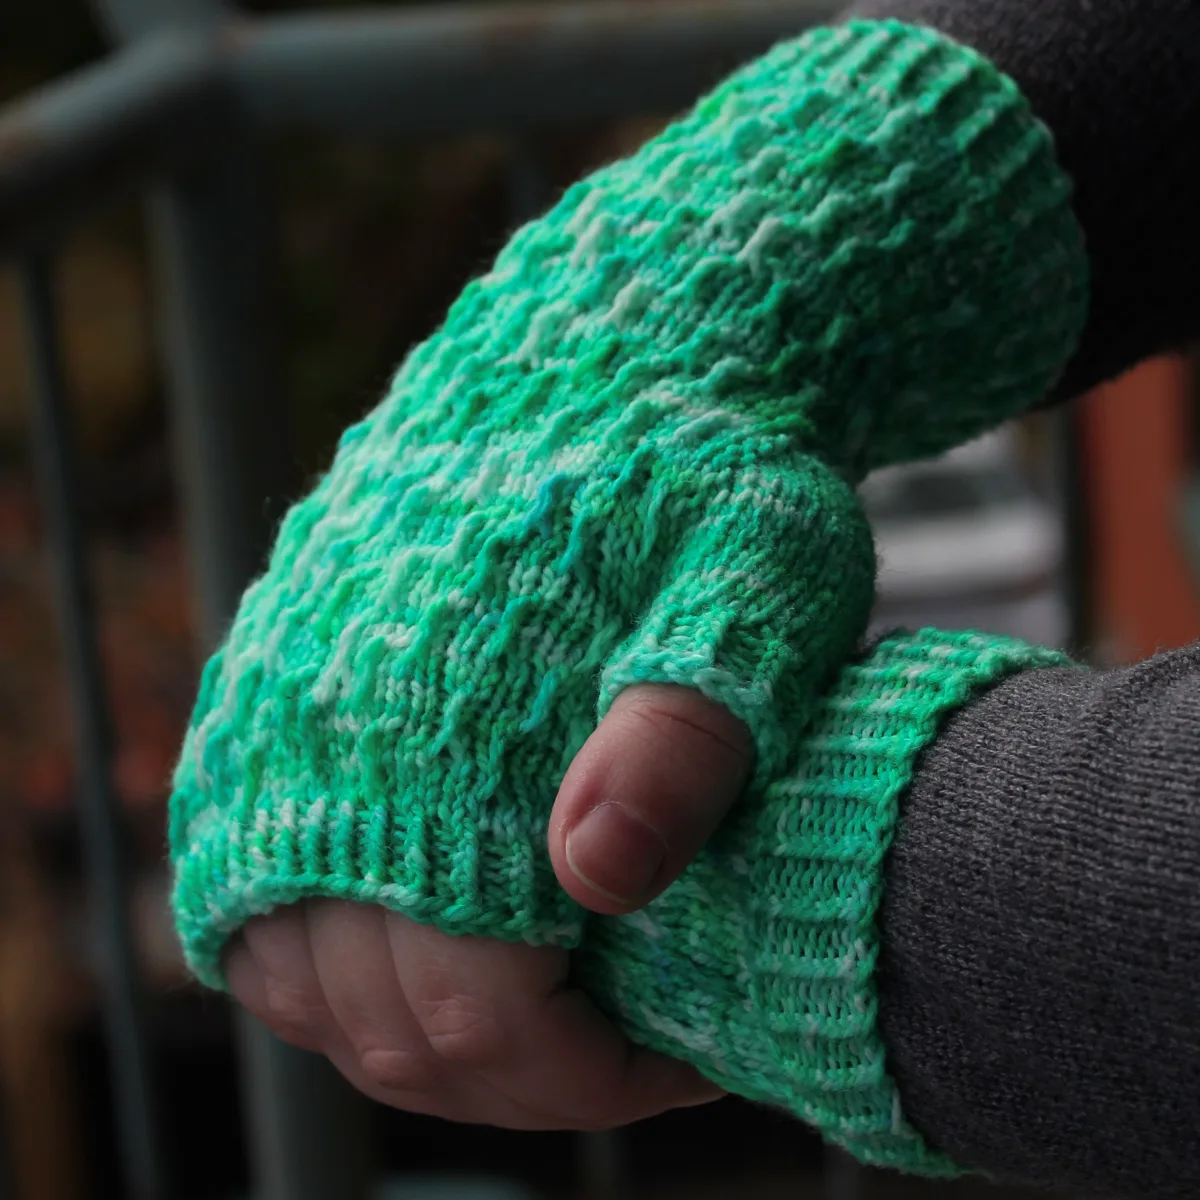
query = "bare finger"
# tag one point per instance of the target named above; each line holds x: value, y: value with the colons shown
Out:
x: 505, y: 1012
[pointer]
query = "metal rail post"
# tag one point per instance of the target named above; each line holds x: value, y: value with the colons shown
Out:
x: 308, y: 1128
x: 103, y: 848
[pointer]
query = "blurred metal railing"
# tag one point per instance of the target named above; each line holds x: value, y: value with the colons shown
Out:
x: 177, y: 112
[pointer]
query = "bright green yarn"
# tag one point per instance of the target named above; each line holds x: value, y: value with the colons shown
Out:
x: 758, y: 964
x: 627, y: 456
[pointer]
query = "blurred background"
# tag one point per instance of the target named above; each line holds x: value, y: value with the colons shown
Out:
x: 1068, y: 529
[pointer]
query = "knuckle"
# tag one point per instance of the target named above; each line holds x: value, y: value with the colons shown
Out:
x: 463, y: 1031
x: 291, y: 1010
x: 396, y: 1069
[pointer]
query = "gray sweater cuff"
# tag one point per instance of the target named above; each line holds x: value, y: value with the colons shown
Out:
x: 1040, y: 970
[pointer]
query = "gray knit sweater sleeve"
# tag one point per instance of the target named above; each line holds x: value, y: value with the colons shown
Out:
x: 1040, y: 977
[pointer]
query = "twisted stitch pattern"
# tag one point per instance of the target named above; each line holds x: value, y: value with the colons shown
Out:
x: 628, y: 456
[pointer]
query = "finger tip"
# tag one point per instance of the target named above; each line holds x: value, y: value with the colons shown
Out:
x: 666, y: 763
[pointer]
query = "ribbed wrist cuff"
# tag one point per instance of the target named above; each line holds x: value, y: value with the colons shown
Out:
x: 758, y: 964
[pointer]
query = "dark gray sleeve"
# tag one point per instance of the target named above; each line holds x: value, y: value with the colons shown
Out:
x: 1040, y: 979
x: 1118, y: 84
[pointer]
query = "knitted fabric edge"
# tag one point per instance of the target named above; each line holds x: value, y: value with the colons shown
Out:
x: 758, y: 966
x: 242, y: 847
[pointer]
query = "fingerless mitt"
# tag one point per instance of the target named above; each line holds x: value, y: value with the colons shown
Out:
x: 758, y: 964
x: 628, y: 456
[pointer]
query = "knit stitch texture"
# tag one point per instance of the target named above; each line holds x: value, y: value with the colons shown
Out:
x: 627, y: 456
x: 758, y: 964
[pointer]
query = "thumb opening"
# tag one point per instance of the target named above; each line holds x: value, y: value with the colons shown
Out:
x: 644, y: 793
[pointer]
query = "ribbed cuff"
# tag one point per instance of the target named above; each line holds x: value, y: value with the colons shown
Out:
x: 888, y: 164
x: 291, y: 840
x: 758, y: 965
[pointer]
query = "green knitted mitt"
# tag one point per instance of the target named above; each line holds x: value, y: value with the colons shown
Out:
x: 757, y: 965
x: 627, y: 456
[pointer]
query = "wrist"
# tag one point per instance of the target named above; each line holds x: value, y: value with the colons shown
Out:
x: 758, y: 965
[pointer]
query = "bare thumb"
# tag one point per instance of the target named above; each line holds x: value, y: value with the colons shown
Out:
x: 644, y: 794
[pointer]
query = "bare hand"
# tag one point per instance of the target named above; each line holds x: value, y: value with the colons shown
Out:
x: 463, y: 1028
